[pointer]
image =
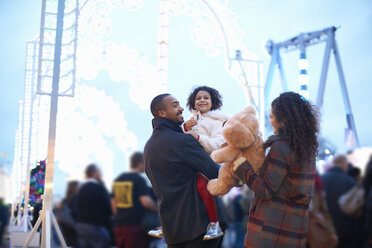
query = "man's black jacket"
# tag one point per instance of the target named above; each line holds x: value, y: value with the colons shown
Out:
x: 172, y: 162
x: 336, y: 183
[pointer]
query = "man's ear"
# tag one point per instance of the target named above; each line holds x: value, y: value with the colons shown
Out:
x: 162, y: 113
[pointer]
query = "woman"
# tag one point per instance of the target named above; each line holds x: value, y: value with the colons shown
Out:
x: 66, y: 214
x: 284, y: 186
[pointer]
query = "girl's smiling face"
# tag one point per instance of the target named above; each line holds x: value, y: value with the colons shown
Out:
x: 203, y: 102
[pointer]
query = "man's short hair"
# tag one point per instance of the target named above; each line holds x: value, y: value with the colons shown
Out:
x: 339, y: 159
x: 157, y: 104
x: 136, y: 159
x: 90, y: 170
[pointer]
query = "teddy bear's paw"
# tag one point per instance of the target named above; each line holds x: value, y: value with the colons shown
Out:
x: 212, y: 185
x: 215, y: 187
x: 217, y: 157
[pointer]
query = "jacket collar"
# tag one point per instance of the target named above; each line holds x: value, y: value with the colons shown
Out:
x: 161, y: 123
x: 273, y: 138
x: 336, y: 169
x: 91, y: 180
x: 213, y: 114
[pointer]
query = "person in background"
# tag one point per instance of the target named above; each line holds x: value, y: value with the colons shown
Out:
x: 4, y: 219
x: 36, y: 211
x: 130, y: 198
x: 367, y: 213
x: 284, y: 186
x: 337, y: 182
x: 237, y: 218
x: 94, y: 211
x: 66, y: 214
x: 321, y: 232
x: 354, y: 172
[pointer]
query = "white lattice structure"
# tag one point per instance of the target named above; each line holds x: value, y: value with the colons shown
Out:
x: 214, y: 29
x: 163, y: 42
x: 23, y: 152
x: 47, y: 47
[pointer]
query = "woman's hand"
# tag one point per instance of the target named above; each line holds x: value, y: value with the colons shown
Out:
x: 190, y: 123
x: 194, y: 134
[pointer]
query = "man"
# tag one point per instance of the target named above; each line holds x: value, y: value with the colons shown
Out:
x: 172, y: 161
x: 336, y: 182
x: 130, y: 199
x: 94, y: 211
x: 36, y: 211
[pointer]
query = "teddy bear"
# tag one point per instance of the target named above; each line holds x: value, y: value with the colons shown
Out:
x: 243, y: 142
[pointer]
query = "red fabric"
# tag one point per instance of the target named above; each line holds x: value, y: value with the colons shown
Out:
x: 208, y: 199
x: 184, y: 127
x: 318, y: 187
x: 130, y: 237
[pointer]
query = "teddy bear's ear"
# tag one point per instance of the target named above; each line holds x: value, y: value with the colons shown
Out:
x: 238, y: 134
x: 250, y: 109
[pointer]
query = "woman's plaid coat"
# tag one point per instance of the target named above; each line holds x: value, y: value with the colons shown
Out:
x: 278, y: 216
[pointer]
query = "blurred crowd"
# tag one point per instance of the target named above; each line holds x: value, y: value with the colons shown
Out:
x: 90, y: 215
x: 284, y: 201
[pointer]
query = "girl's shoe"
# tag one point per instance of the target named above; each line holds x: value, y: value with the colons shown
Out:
x: 157, y: 232
x: 213, y: 231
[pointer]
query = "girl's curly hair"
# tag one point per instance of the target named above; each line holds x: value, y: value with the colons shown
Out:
x: 300, y: 124
x: 215, y: 97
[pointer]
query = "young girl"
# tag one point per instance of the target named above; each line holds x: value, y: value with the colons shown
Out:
x: 204, y: 102
x: 206, y: 127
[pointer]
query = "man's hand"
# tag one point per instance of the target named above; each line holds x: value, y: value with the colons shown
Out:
x: 190, y: 123
x: 194, y: 134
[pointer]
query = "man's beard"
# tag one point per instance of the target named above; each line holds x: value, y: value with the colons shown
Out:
x: 181, y: 121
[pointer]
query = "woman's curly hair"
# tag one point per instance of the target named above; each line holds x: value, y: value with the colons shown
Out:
x: 215, y: 97
x: 300, y: 124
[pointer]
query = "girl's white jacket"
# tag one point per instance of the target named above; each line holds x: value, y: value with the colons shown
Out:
x: 210, y: 130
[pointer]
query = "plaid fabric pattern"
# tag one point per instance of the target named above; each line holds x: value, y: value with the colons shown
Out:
x: 283, y: 191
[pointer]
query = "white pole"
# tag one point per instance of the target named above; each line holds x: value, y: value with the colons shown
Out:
x: 49, y: 170
x: 26, y: 217
x: 47, y: 211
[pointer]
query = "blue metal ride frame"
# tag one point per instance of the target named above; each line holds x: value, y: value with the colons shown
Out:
x: 275, y: 60
x: 304, y: 40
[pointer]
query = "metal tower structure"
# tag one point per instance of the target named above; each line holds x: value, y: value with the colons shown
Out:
x: 27, y: 129
x: 55, y: 78
x: 246, y: 70
x: 302, y: 41
x: 252, y: 90
x: 163, y: 42
x: 251, y: 79
x: 47, y: 43
x: 303, y: 77
x: 17, y: 170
